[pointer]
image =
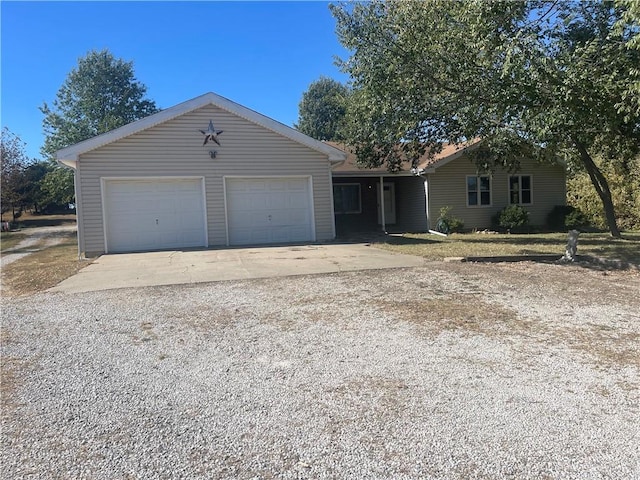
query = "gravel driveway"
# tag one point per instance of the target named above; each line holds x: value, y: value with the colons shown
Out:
x: 451, y: 371
x: 36, y: 239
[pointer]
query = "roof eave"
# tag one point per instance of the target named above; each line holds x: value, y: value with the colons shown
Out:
x: 68, y: 162
x: 372, y: 174
x: 449, y: 158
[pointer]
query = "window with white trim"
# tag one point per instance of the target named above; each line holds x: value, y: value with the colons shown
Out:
x: 346, y: 198
x: 478, y: 190
x: 520, y: 190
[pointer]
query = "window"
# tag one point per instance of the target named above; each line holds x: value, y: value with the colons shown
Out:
x: 346, y: 198
x: 478, y: 190
x: 520, y: 189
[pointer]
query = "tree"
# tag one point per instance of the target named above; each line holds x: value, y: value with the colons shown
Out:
x: 13, y: 162
x: 322, y: 109
x: 101, y: 94
x: 33, y: 195
x: 538, y: 79
x: 625, y: 193
x: 57, y: 187
x: 630, y: 18
x: 628, y: 27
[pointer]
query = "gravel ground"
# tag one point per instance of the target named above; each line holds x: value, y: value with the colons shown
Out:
x: 451, y: 371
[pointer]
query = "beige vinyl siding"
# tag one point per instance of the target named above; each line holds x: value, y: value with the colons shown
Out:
x: 448, y: 187
x: 174, y: 148
x: 411, y: 210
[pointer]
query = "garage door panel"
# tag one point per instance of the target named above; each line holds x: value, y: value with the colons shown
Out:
x: 273, y: 210
x: 154, y: 214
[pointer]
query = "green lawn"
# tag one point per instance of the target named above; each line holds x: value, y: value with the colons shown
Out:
x: 434, y: 247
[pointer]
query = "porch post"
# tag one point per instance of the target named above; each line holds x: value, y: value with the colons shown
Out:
x: 382, y: 219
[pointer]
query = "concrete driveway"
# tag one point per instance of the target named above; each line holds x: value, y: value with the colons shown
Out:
x: 180, y: 267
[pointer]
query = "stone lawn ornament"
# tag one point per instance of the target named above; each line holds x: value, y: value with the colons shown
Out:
x: 211, y: 134
x: 571, y: 249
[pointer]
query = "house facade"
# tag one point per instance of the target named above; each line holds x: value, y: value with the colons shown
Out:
x: 412, y: 199
x: 207, y: 172
x: 210, y: 172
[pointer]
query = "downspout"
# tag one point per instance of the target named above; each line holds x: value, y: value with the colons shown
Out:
x: 382, y: 219
x: 78, y: 229
x: 333, y: 212
x: 426, y: 199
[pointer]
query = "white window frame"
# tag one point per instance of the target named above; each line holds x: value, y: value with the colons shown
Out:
x: 466, y: 191
x: 354, y: 212
x: 519, y: 176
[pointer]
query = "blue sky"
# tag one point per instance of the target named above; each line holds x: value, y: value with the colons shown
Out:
x: 262, y: 55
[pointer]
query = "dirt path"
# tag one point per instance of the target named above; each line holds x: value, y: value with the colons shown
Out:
x: 37, y: 239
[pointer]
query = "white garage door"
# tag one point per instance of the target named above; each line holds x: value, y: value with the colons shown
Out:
x: 269, y: 210
x: 154, y: 214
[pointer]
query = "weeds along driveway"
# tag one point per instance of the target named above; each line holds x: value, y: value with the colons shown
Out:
x: 449, y: 371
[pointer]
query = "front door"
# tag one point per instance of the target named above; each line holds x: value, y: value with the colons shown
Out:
x: 389, y: 204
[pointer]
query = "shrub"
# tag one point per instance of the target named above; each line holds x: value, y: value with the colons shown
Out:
x: 512, y: 218
x: 566, y: 217
x: 448, y: 224
x: 576, y: 220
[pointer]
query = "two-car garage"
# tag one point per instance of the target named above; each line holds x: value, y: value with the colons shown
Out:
x: 163, y: 213
x: 165, y: 182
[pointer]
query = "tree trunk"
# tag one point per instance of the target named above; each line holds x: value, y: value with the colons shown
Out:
x: 602, y: 187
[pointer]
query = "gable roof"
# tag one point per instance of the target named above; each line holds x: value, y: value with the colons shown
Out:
x: 69, y: 155
x: 449, y: 152
x: 425, y: 163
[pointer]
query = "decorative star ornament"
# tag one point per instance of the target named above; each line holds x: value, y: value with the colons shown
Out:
x: 211, y: 134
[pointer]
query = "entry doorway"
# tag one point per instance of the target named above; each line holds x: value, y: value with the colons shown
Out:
x: 389, y: 203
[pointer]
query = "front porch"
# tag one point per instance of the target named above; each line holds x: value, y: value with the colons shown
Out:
x: 360, y: 208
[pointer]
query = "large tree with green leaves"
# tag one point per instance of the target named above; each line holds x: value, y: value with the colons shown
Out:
x: 99, y: 95
x: 538, y: 79
x: 13, y: 162
x: 322, y: 109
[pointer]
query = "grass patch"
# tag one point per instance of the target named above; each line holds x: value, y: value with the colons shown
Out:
x: 42, y: 270
x: 28, y: 220
x: 434, y: 247
x: 470, y: 315
x: 10, y: 240
x: 461, y: 312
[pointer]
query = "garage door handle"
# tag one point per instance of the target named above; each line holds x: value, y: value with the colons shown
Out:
x: 156, y: 221
x: 269, y: 217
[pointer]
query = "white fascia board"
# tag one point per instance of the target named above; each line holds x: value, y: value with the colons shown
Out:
x: 68, y: 156
x: 68, y: 163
